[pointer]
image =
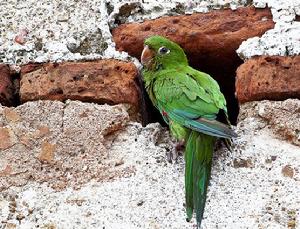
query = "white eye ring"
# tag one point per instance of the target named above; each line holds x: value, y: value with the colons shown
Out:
x: 163, y: 50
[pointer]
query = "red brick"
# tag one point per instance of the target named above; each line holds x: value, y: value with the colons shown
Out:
x: 103, y: 81
x: 268, y: 77
x: 213, y: 35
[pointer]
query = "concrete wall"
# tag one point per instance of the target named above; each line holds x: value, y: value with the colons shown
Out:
x: 72, y: 154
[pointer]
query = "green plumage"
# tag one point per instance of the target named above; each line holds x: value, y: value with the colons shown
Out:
x: 190, y: 102
x: 198, y: 155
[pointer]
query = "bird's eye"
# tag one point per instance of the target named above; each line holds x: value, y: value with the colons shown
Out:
x: 163, y: 50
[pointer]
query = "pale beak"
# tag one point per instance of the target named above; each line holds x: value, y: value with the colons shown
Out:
x: 147, y: 56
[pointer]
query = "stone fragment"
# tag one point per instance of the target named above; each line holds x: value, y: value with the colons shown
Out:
x: 6, y: 171
x: 287, y: 171
x: 103, y: 81
x: 6, y: 138
x: 21, y: 37
x: 268, y: 77
x: 6, y: 86
x: 242, y: 163
x: 43, y: 131
x: 47, y: 152
x: 11, y: 115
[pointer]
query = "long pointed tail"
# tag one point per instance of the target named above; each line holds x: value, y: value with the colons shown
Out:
x: 198, y: 157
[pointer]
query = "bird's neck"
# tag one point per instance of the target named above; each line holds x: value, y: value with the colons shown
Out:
x: 151, y: 74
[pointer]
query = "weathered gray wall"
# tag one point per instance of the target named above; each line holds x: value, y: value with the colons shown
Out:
x: 72, y: 164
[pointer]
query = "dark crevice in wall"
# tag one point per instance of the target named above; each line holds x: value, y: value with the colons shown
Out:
x: 15, y: 77
x: 9, y: 86
x: 149, y: 114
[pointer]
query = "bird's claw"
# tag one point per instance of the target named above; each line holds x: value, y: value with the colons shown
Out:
x: 174, y: 153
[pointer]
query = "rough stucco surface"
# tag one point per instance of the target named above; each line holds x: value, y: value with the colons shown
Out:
x: 57, y: 31
x: 61, y: 144
x: 255, y: 186
x: 43, y: 31
x: 284, y: 39
x: 139, y: 10
x: 282, y: 117
x: 48, y: 30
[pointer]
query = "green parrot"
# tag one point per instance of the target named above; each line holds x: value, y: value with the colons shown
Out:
x: 190, y: 102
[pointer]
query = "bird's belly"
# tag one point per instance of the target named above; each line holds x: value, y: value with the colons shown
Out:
x: 178, y: 131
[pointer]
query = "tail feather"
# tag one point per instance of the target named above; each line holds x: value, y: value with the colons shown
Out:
x: 213, y: 128
x: 203, y: 125
x: 198, y: 157
x: 189, y: 156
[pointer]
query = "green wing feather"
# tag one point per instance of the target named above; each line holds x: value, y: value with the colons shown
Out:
x: 187, y: 100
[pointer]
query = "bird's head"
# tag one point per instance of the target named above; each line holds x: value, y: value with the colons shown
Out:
x: 162, y: 52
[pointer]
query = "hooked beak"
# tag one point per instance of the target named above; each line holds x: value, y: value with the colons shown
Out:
x: 147, y: 56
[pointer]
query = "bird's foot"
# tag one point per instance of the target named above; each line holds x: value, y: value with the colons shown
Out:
x: 176, y: 150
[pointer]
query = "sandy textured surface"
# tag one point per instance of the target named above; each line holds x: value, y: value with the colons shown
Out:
x: 255, y: 186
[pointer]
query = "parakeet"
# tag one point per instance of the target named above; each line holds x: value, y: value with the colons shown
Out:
x: 190, y: 102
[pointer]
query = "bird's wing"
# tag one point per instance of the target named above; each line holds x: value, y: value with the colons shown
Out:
x: 191, y: 102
